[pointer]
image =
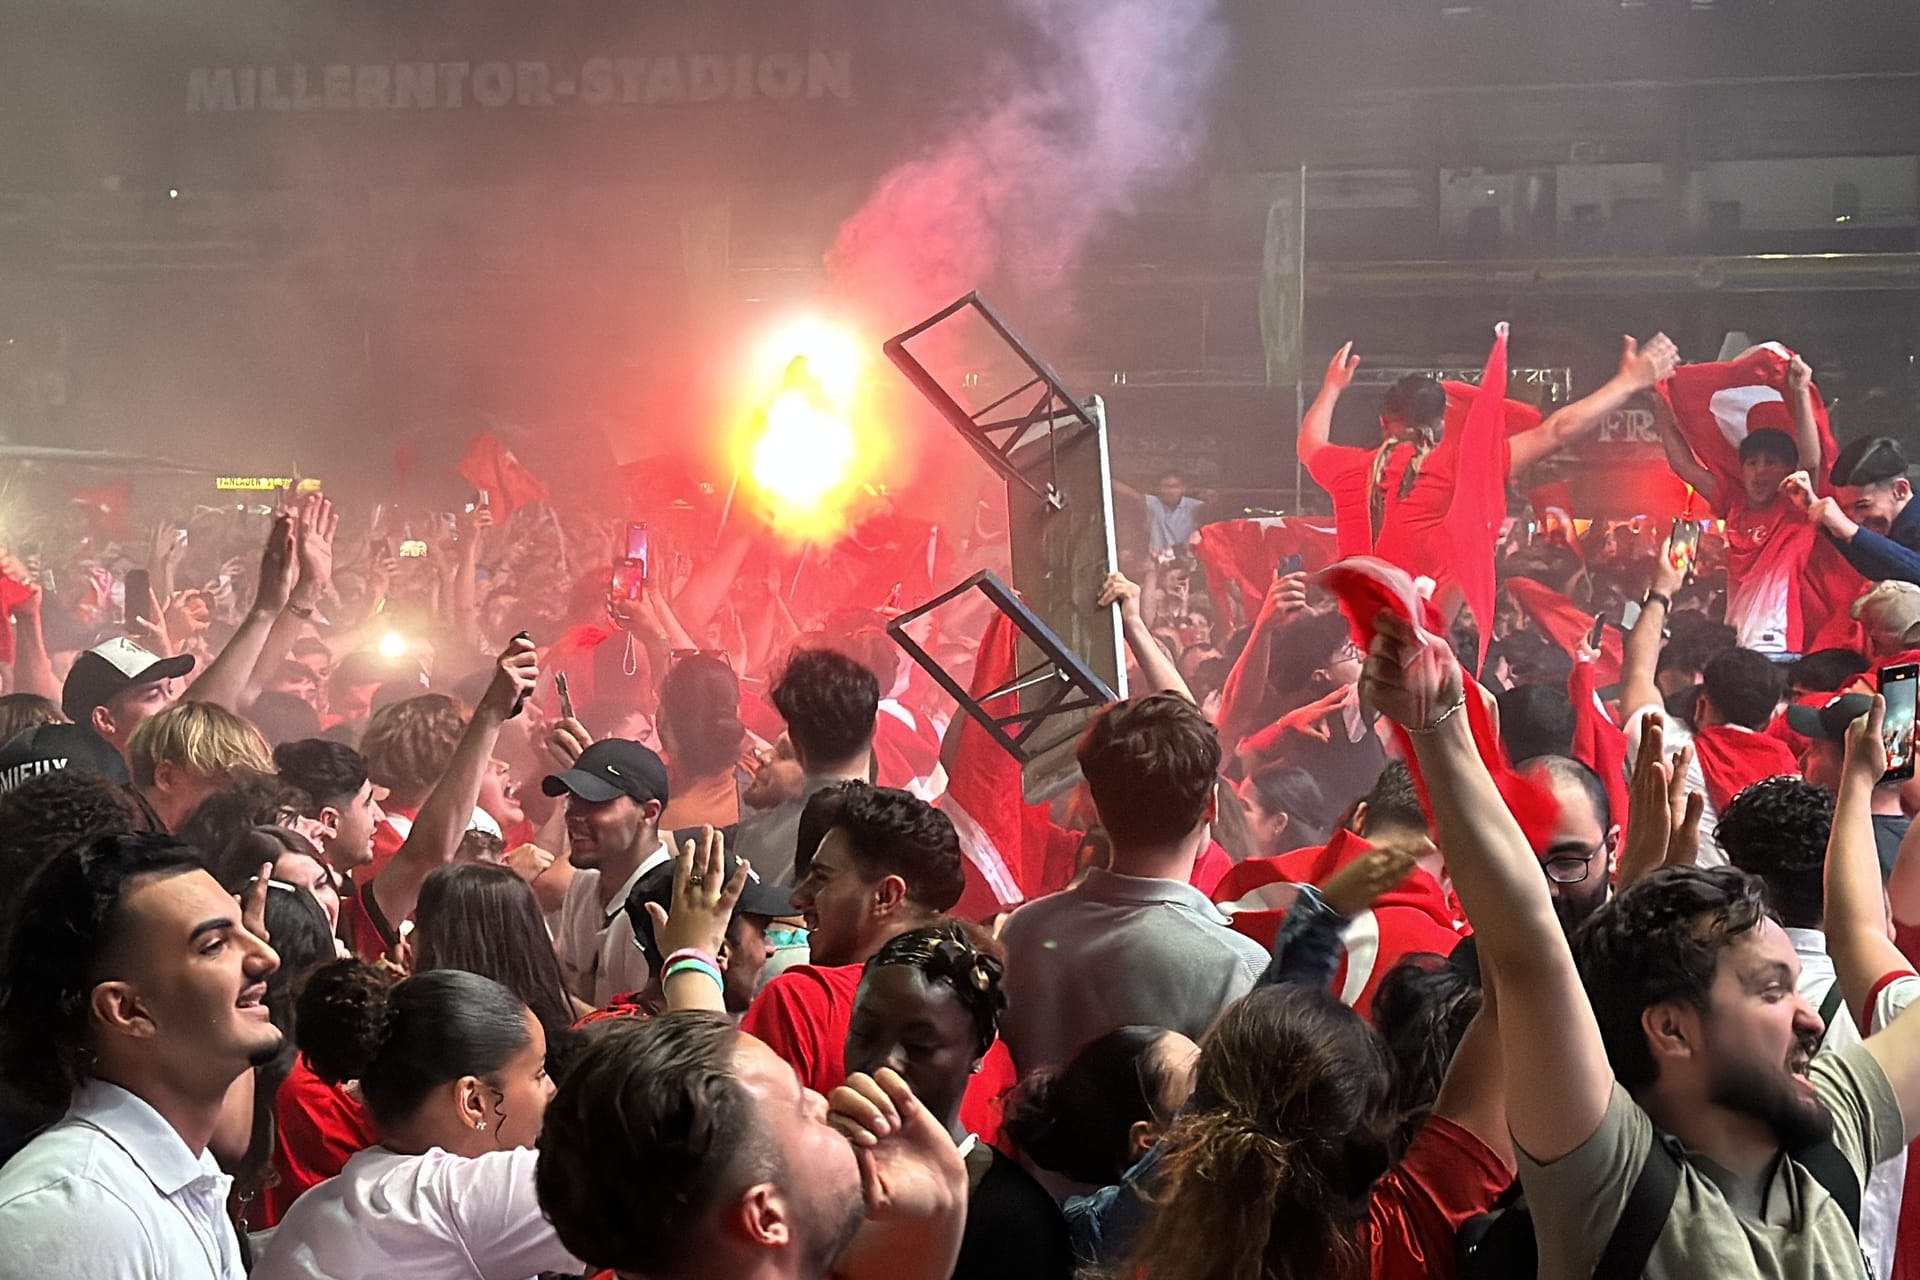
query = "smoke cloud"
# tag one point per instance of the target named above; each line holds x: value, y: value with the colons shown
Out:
x: 1117, y: 108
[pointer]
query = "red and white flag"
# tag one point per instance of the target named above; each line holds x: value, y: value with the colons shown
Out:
x: 488, y: 464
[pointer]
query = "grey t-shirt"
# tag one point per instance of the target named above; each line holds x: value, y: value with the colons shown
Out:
x: 1114, y: 951
x: 1801, y: 1233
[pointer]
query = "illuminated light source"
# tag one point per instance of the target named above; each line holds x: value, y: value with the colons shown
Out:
x: 393, y: 645
x: 805, y: 454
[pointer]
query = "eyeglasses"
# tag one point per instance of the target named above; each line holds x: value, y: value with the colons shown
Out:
x: 1350, y: 652
x: 1569, y: 868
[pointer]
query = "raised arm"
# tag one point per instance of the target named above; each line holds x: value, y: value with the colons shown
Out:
x: 1317, y: 426
x: 1903, y: 883
x: 1157, y: 671
x: 1558, y: 1079
x: 224, y: 682
x: 1855, y: 924
x: 1245, y: 692
x: 313, y: 553
x: 32, y: 669
x: 1806, y: 431
x: 1640, y: 657
x: 1641, y: 369
x: 443, y: 819
x: 1679, y: 456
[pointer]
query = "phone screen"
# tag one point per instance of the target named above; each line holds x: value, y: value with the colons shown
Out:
x: 637, y: 543
x: 1599, y: 632
x: 1289, y: 564
x: 139, y: 595
x: 1898, y: 685
x: 1686, y: 545
x: 566, y: 695
x: 413, y: 549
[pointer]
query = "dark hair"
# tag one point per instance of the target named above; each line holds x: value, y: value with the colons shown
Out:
x: 1294, y: 792
x: 239, y: 862
x: 892, y: 832
x: 700, y: 707
x: 1077, y: 1120
x: 298, y: 927
x: 1416, y: 400
x: 1827, y: 670
x: 1394, y: 802
x: 829, y: 702
x: 67, y: 921
x: 964, y: 958
x: 331, y: 773
x: 249, y: 800
x: 1532, y: 659
x: 54, y: 811
x: 1744, y: 687
x: 402, y: 1040
x: 1306, y: 645
x: 282, y: 718
x: 20, y: 712
x: 648, y: 1134
x: 1869, y: 460
x: 1657, y: 940
x: 1770, y: 442
x: 1535, y: 720
x: 1422, y: 1008
x: 1270, y: 1170
x: 482, y: 917
x: 1695, y: 641
x: 1565, y: 769
x: 1150, y: 763
x: 1777, y: 830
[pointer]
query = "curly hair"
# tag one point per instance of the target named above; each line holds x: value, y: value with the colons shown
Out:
x: 1777, y: 829
x: 54, y: 811
x: 1659, y: 940
x: 409, y: 744
x: 889, y: 832
x: 1270, y: 1170
x: 965, y: 958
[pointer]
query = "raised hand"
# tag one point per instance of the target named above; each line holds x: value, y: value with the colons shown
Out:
x: 1663, y: 816
x: 909, y: 1168
x: 566, y: 740
x: 1124, y: 591
x: 318, y: 522
x: 1411, y: 677
x: 513, y: 676
x: 1797, y: 488
x: 1646, y: 366
x: 1340, y: 369
x: 1314, y: 719
x: 703, y: 897
x: 277, y: 566
x: 1866, y: 757
x: 1353, y: 888
x: 1799, y: 374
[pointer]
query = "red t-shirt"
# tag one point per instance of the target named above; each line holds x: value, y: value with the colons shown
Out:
x: 317, y: 1128
x: 803, y: 1016
x: 1446, y: 1177
x: 1210, y: 868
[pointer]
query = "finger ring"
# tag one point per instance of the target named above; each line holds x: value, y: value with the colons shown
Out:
x: 694, y: 882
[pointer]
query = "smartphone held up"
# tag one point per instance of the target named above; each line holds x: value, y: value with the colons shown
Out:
x: 1899, y: 686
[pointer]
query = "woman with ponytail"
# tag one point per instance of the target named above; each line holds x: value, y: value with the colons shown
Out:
x: 1284, y: 1165
x: 452, y: 1069
x: 929, y: 1006
x: 702, y: 738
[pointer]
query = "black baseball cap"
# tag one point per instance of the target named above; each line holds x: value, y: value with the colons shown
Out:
x: 759, y: 898
x: 50, y: 748
x: 609, y: 769
x: 108, y: 670
x: 1868, y: 461
x: 1829, y: 722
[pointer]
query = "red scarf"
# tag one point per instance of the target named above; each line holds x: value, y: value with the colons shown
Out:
x: 1732, y: 759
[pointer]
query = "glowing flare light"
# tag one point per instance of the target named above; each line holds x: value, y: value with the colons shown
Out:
x: 805, y: 455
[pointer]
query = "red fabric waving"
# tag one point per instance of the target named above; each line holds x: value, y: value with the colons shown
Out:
x: 1365, y: 586
x: 13, y: 594
x: 1567, y: 625
x: 1717, y: 405
x: 1246, y: 553
x: 1732, y: 758
x: 984, y: 796
x: 1598, y: 742
x: 488, y: 464
x: 1479, y: 505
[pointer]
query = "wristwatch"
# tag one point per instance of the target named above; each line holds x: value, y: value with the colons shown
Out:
x: 1666, y: 601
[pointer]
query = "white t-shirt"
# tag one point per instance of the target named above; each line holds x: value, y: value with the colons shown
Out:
x: 1675, y: 736
x: 437, y: 1215
x: 599, y: 958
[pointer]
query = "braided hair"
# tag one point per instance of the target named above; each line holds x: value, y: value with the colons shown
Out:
x: 964, y: 958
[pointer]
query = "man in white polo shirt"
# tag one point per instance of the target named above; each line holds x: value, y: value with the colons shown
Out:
x: 615, y: 793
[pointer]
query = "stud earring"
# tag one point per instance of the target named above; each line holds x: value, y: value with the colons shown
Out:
x: 479, y: 1125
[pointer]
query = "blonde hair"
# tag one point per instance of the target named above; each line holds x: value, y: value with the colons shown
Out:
x: 207, y: 741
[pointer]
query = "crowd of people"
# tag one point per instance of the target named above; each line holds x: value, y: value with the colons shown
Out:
x: 509, y: 911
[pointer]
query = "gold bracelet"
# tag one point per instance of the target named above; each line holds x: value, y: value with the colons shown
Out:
x: 1444, y: 716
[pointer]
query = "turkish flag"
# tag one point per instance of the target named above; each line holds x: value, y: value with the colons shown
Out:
x: 488, y: 464
x: 1733, y: 758
x: 1479, y: 504
x: 1567, y: 625
x: 984, y: 797
x: 1246, y: 553
x: 1716, y: 406
x: 1365, y: 586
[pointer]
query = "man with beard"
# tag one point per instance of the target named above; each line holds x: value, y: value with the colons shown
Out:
x: 679, y: 1147
x: 134, y: 997
x: 615, y: 793
x: 1675, y: 1062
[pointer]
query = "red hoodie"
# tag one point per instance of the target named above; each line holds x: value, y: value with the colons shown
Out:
x: 1407, y: 920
